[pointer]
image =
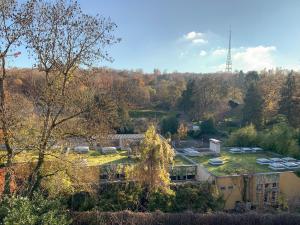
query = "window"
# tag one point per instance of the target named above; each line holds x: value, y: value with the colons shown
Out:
x: 223, y: 188
x: 173, y: 177
x: 259, y: 187
x: 273, y: 196
x: 266, y: 185
x: 190, y: 177
x: 274, y: 185
x: 265, y: 197
x: 230, y: 187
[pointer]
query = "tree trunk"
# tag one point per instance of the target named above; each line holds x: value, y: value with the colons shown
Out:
x: 9, y: 151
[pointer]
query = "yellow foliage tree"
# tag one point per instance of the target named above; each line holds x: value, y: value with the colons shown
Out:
x: 152, y: 170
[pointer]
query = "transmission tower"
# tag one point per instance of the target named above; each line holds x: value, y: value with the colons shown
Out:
x: 229, y: 61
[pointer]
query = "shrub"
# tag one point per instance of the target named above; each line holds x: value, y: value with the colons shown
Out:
x: 197, y: 198
x: 39, y: 210
x: 161, y: 201
x: 126, y: 217
x: 282, y: 139
x: 119, y: 196
x: 169, y: 124
x: 208, y: 127
x: 246, y: 136
x: 81, y: 201
x: 131, y: 196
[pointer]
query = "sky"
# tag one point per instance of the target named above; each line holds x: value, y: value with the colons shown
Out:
x: 192, y: 35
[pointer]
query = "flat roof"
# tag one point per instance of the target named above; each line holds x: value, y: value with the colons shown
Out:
x: 235, y: 164
x: 215, y: 141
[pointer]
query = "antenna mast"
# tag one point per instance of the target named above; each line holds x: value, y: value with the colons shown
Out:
x: 229, y: 61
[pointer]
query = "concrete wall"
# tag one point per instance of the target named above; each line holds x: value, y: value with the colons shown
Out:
x: 232, y: 188
x: 290, y: 188
x: 203, y: 174
x: 287, y: 185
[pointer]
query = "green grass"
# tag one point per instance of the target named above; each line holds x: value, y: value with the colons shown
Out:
x: 93, y: 157
x: 119, y: 157
x: 148, y: 113
x: 178, y: 160
x: 235, y: 163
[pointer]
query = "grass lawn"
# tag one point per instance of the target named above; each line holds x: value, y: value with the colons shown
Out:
x: 235, y: 163
x: 93, y: 157
x: 180, y: 161
x: 99, y: 159
x: 148, y: 113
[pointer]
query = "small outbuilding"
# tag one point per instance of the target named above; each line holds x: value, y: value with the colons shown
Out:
x: 82, y: 149
x: 108, y: 150
x: 257, y: 149
x: 263, y: 161
x: 276, y: 160
x: 216, y: 162
x: 246, y: 150
x: 191, y: 152
x: 289, y: 159
x: 291, y: 165
x: 276, y: 166
x: 235, y: 150
x: 215, y: 145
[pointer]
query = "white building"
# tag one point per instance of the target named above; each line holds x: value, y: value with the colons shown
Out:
x: 81, y: 149
x: 215, y: 145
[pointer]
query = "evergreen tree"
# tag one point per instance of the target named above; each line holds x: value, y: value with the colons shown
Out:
x: 289, y: 104
x: 253, y: 103
x: 169, y: 124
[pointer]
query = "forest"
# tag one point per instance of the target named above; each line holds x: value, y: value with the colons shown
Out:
x: 66, y: 95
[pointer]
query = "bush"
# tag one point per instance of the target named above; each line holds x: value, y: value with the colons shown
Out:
x: 119, y: 196
x: 81, y: 201
x: 208, y: 127
x: 126, y: 217
x: 282, y: 139
x: 246, y: 136
x: 197, y: 198
x: 161, y: 201
x: 131, y: 196
x: 169, y: 124
x: 39, y: 210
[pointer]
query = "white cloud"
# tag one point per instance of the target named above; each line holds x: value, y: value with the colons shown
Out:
x: 254, y: 58
x: 195, y: 37
x: 203, y: 53
x: 219, y: 52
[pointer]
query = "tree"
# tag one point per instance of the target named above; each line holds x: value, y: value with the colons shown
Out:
x: 182, y: 131
x: 203, y: 96
x: 169, y: 124
x: 246, y: 136
x: 208, y: 127
x: 270, y: 86
x: 289, y: 104
x: 62, y: 38
x: 152, y: 171
x: 186, y: 102
x: 14, y: 18
x: 253, y: 106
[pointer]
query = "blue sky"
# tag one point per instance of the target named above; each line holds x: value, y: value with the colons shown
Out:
x: 192, y: 35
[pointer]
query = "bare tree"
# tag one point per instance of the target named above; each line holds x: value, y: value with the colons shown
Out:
x: 62, y: 39
x: 14, y: 18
